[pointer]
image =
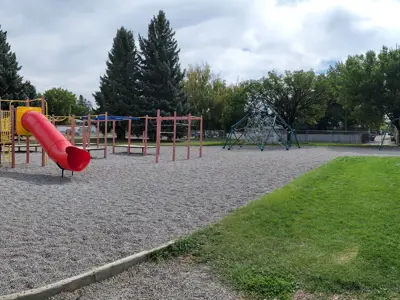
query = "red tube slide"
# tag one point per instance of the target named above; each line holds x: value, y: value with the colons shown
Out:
x: 59, y: 149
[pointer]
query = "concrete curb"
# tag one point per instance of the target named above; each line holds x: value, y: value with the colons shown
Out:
x: 87, y: 278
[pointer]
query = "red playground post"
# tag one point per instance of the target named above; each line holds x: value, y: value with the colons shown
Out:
x: 105, y: 134
x: 98, y: 133
x: 89, y: 131
x: 175, y: 118
x: 158, y: 135
x: 189, y: 133
x: 201, y: 137
x: 174, y: 138
x: 146, y: 126
x: 73, y: 130
x: 44, y: 113
x: 129, y: 134
x: 27, y: 142
x: 12, y: 137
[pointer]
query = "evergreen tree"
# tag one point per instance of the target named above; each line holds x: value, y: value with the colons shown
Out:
x: 161, y: 77
x: 10, y: 81
x: 118, y: 86
x: 29, y: 91
x: 83, y: 107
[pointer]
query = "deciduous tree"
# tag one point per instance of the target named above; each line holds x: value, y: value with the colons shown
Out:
x: 298, y: 96
x: 61, y: 102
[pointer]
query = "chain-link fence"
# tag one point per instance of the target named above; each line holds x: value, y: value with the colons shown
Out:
x: 334, y: 136
x: 307, y: 136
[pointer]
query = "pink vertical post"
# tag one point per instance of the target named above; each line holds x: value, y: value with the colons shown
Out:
x: 98, y: 132
x: 174, y: 138
x: 158, y: 135
x: 105, y: 134
x: 27, y: 142
x: 189, y: 118
x: 73, y: 130
x: 143, y: 142
x: 201, y: 137
x: 129, y: 134
x: 83, y: 134
x: 43, y: 112
x: 12, y: 137
x: 1, y: 135
x: 146, y: 128
x: 113, y: 136
x: 89, y: 131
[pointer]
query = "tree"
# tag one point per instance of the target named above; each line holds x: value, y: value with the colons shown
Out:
x: 207, y: 95
x: 29, y: 91
x: 61, y: 102
x: 10, y: 80
x: 387, y: 84
x: 161, y: 77
x: 298, y: 97
x: 198, y: 88
x: 83, y: 107
x: 333, y: 119
x: 234, y: 104
x: 357, y: 85
x: 118, y: 93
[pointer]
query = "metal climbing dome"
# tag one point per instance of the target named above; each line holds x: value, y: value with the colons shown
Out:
x: 260, y: 126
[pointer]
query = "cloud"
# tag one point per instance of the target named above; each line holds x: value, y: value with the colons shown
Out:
x: 65, y: 43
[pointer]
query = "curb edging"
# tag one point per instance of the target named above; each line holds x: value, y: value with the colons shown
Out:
x: 95, y: 275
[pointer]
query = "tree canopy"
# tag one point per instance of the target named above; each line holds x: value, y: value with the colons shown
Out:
x: 357, y: 93
x: 62, y: 102
x: 118, y: 93
x: 12, y: 85
x: 161, y: 76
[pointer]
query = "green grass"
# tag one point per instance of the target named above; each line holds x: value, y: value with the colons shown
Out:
x: 211, y: 142
x: 335, y: 230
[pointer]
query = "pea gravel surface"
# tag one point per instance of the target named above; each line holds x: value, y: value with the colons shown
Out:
x: 52, y: 227
x: 172, y: 279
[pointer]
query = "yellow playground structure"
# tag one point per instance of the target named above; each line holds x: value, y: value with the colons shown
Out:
x: 43, y: 128
x: 11, y: 129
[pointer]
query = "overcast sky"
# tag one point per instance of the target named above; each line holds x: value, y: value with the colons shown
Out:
x: 64, y: 43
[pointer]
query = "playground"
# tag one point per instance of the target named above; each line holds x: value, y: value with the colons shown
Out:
x: 29, y: 118
x: 131, y: 196
x: 55, y: 227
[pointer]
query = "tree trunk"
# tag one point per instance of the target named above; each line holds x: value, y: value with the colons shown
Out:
x: 120, y: 133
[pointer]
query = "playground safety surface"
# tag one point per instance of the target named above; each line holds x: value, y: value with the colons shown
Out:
x: 53, y: 228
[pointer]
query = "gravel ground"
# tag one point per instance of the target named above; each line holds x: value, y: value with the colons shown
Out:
x: 53, y: 227
x: 174, y: 279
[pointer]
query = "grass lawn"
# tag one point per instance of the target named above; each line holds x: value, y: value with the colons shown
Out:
x: 335, y: 230
x: 196, y: 142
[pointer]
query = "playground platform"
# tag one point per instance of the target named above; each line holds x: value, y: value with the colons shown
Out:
x: 22, y: 147
x: 135, y: 147
x: 88, y: 149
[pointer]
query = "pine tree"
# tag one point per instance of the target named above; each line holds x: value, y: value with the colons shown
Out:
x: 118, y: 93
x: 83, y: 107
x: 10, y: 81
x: 161, y: 77
x: 29, y: 91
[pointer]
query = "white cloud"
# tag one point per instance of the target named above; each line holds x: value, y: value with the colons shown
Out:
x: 65, y: 43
